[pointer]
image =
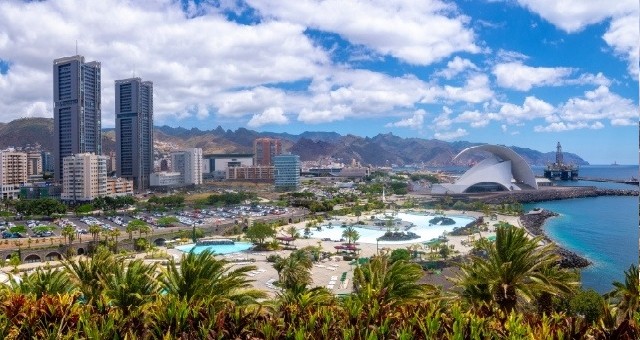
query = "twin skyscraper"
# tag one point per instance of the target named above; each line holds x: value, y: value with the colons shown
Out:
x: 77, y: 114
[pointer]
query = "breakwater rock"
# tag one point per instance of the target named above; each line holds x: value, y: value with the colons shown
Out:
x: 534, y: 222
x: 553, y: 194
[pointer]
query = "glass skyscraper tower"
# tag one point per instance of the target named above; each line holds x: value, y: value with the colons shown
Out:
x: 76, y: 109
x: 134, y: 131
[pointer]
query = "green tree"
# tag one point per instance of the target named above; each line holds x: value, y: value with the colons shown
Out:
x: 115, y: 234
x: 399, y: 255
x: 351, y: 234
x: 69, y: 233
x: 83, y: 209
x: 202, y: 276
x: 95, y: 231
x: 130, y: 285
x: 294, y: 271
x: 87, y: 273
x: 513, y: 271
x: 259, y: 232
x: 14, y: 261
x: 389, y: 284
x: 626, y: 295
x: 43, y: 281
x: 444, y: 251
x: 135, y: 225
x: 587, y: 303
x: 293, y: 232
x: 167, y: 221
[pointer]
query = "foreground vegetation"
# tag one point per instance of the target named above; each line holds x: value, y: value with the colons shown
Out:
x: 511, y: 289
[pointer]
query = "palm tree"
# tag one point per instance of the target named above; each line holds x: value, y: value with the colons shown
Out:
x: 144, y: 229
x: 626, y: 295
x: 95, y: 231
x: 86, y: 274
x: 293, y: 232
x: 201, y: 276
x: 294, y: 271
x: 351, y: 234
x: 42, y: 282
x: 389, y: 284
x: 131, y: 284
x: 115, y: 233
x: 132, y: 226
x: 68, y: 232
x: 514, y: 269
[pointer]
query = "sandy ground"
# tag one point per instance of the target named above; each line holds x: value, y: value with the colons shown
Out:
x: 327, y: 273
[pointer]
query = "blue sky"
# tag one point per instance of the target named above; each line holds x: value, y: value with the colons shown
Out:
x: 515, y: 72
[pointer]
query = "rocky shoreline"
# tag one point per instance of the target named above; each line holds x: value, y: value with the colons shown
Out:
x: 553, y: 194
x: 534, y: 222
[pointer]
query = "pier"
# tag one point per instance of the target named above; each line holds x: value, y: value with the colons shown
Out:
x: 632, y: 181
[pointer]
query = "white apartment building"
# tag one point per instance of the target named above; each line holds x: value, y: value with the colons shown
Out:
x: 13, y: 172
x: 188, y: 162
x: 84, y: 177
x: 165, y: 179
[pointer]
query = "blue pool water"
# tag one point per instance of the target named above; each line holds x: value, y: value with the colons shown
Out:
x: 422, y: 228
x: 218, y: 249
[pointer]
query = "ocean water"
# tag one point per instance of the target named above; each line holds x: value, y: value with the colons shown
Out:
x: 602, y: 229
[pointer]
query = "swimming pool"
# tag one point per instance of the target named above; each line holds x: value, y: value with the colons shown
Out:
x: 218, y: 249
x: 422, y: 228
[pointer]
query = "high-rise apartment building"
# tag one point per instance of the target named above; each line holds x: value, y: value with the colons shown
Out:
x: 134, y: 131
x: 47, y: 161
x: 85, y: 177
x: 76, y: 109
x: 287, y: 172
x: 13, y: 172
x: 264, y: 149
x: 34, y: 163
x: 188, y: 162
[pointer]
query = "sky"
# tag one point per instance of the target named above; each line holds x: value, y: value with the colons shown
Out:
x: 526, y: 73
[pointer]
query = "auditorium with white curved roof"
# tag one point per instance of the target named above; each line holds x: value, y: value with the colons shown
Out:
x: 502, y: 170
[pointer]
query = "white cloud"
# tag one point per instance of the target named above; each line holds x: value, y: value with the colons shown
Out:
x: 562, y: 126
x: 520, y: 77
x: 574, y: 15
x: 456, y: 66
x: 623, y: 34
x: 418, y: 32
x: 442, y: 121
x: 475, y: 90
x: 191, y: 61
x: 532, y: 108
x: 414, y: 122
x: 450, y: 135
x: 272, y: 115
x: 600, y: 104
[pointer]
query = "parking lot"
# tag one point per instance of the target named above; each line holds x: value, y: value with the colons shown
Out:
x: 186, y: 218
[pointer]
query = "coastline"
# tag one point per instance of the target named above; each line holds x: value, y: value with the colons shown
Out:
x: 534, y: 223
x: 554, y: 193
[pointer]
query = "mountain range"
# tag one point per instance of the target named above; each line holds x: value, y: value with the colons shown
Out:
x: 380, y: 150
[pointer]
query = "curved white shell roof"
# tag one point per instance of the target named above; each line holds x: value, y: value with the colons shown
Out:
x: 501, y: 167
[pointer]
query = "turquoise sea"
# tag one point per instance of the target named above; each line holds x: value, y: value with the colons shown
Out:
x: 603, y: 229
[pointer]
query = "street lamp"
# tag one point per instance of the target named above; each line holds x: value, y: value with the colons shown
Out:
x: 377, y: 251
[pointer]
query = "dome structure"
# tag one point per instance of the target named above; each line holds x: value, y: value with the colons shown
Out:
x: 503, y: 170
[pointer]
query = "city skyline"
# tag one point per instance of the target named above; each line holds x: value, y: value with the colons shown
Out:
x: 523, y: 73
